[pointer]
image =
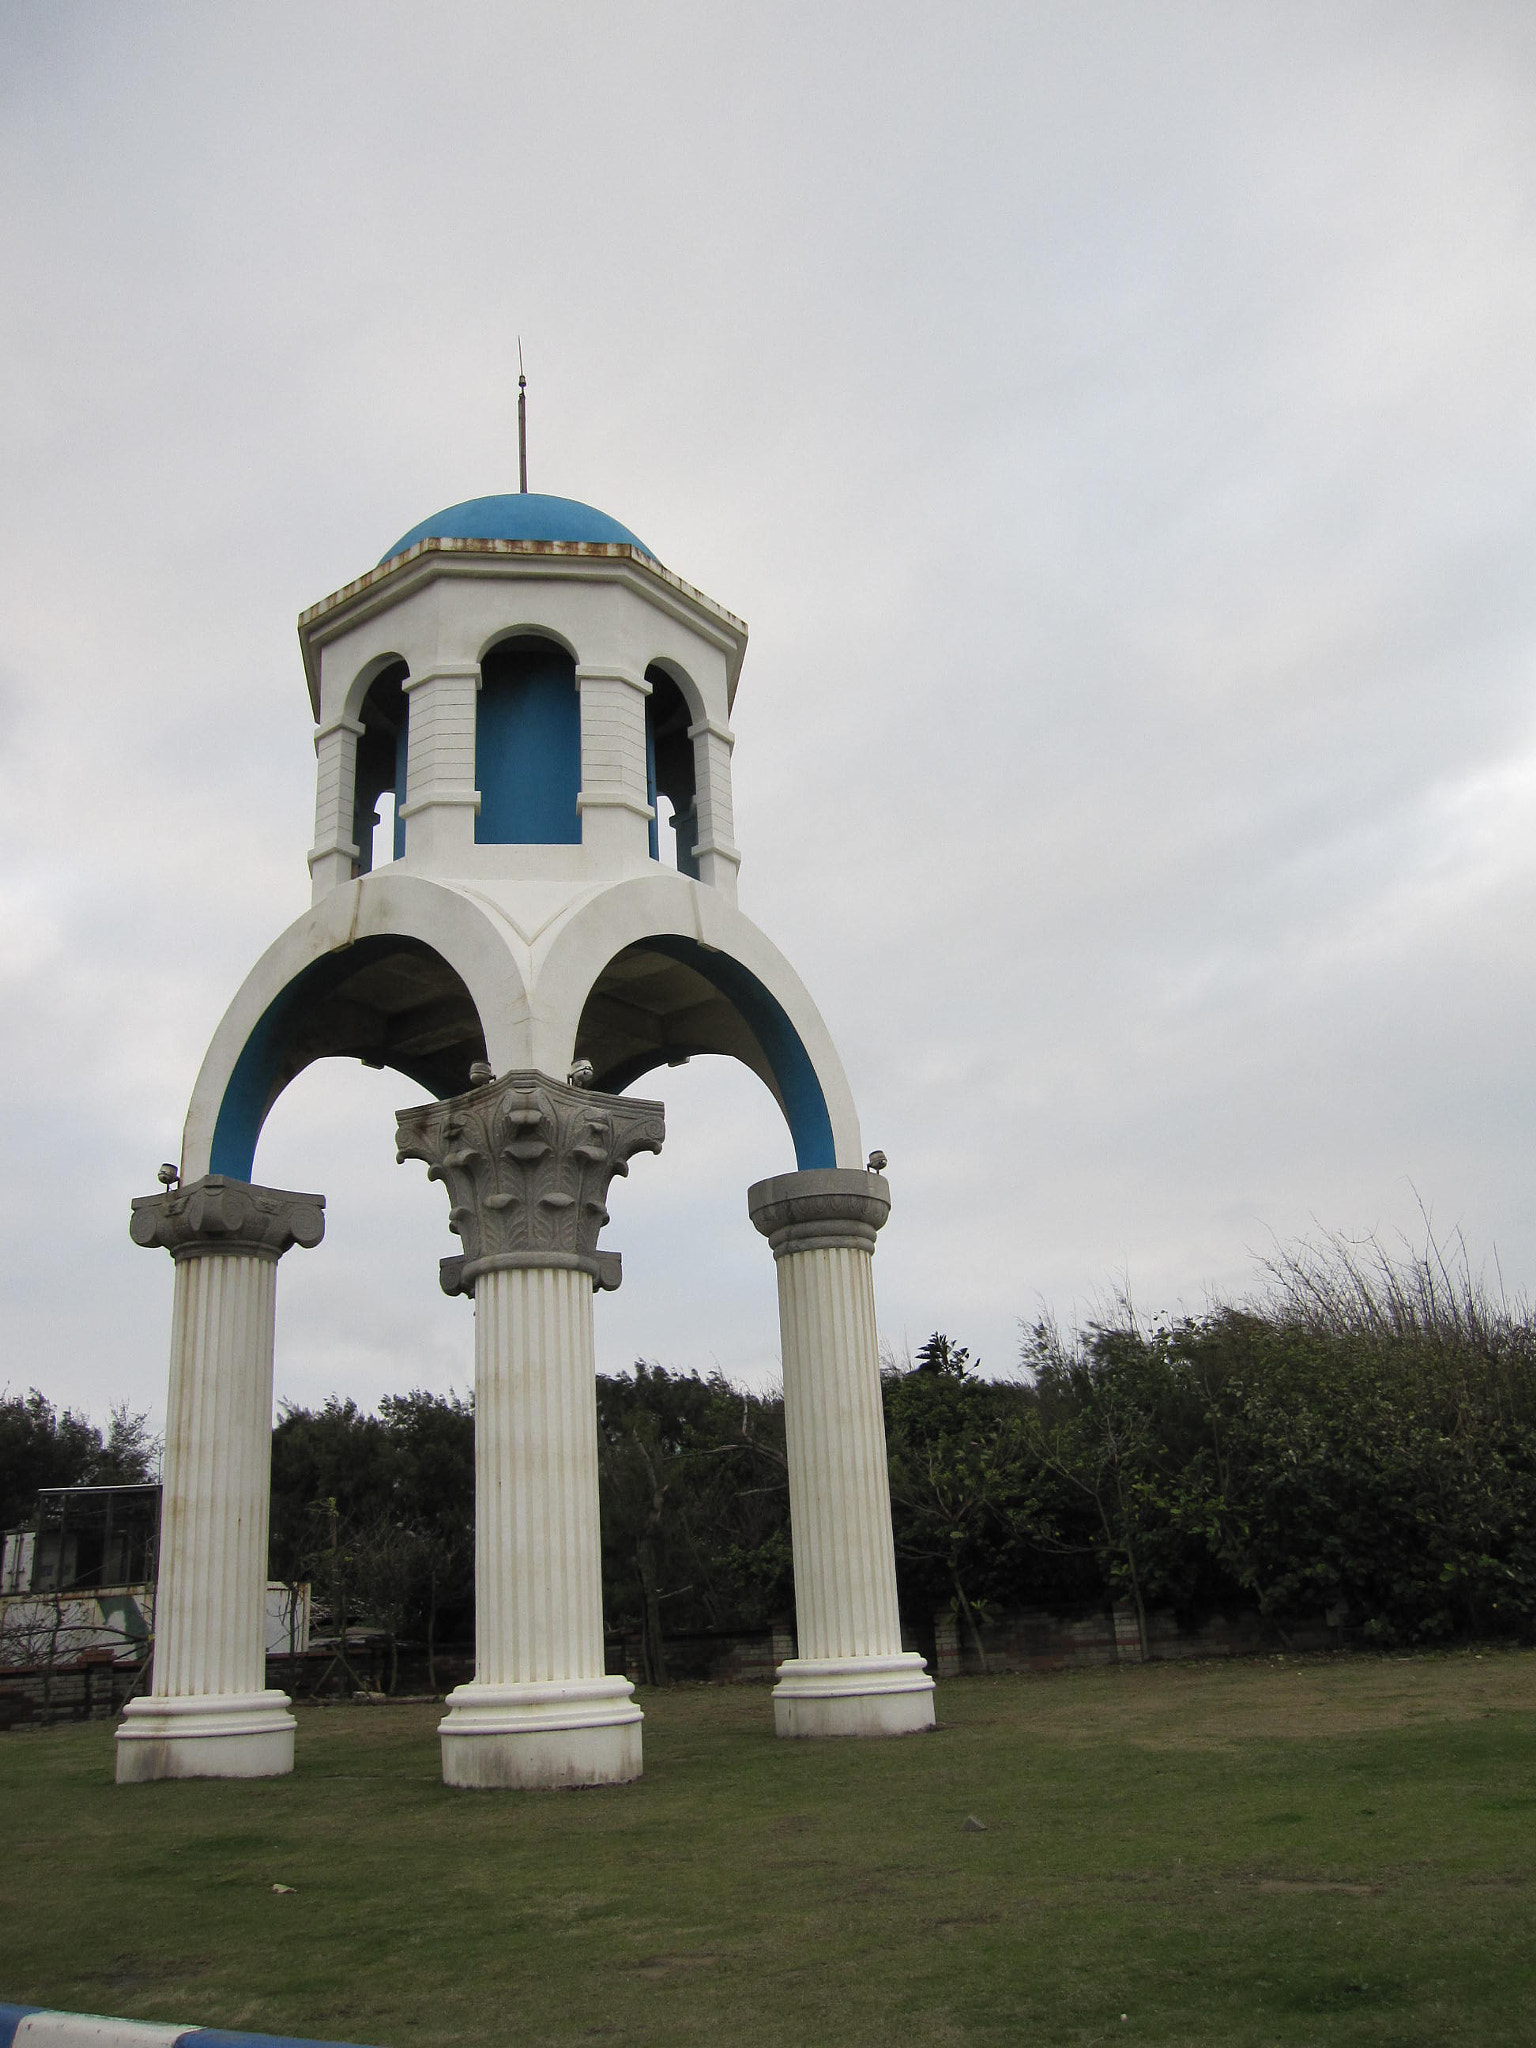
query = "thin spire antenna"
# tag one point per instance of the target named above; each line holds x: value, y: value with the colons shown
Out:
x: 522, y: 420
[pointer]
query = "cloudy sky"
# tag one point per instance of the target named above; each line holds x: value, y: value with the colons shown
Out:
x: 1116, y: 425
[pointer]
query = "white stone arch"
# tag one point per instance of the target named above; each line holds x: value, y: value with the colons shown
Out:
x: 383, y: 906
x: 528, y: 629
x: 715, y: 938
x: 692, y: 695
x: 368, y: 675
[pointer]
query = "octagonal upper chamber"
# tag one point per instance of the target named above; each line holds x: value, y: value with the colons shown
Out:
x: 521, y: 690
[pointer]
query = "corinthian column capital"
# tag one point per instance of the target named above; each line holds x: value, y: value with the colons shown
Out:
x: 216, y: 1214
x: 527, y: 1163
x: 823, y: 1209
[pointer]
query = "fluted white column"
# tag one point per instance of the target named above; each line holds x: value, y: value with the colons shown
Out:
x: 209, y: 1714
x: 527, y: 1162
x: 851, y: 1676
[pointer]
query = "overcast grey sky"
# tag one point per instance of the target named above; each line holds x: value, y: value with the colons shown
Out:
x: 1116, y: 424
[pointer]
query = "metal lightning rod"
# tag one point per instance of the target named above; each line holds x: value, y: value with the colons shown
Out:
x: 522, y: 420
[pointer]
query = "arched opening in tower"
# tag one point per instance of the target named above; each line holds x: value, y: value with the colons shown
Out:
x: 379, y: 788
x: 528, y: 745
x: 669, y: 770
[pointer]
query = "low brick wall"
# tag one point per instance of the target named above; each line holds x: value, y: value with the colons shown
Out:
x: 88, y: 1688
x: 1034, y: 1639
x: 708, y: 1656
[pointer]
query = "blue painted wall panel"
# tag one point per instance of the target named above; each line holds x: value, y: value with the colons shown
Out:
x: 528, y: 750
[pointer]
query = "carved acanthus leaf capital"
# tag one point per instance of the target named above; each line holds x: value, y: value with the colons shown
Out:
x: 220, y: 1215
x: 527, y: 1162
x: 826, y: 1208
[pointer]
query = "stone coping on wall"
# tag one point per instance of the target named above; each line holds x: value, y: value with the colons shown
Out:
x: 32, y: 2026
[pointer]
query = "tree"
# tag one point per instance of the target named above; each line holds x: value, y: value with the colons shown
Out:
x: 693, y: 1477
x: 963, y: 1495
x: 378, y: 1510
x: 433, y: 1503
x: 132, y: 1452
x: 944, y: 1360
x: 1117, y: 1421
x: 39, y: 1446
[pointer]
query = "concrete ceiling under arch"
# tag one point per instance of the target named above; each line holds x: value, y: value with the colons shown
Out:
x: 389, y: 1002
x: 647, y: 1010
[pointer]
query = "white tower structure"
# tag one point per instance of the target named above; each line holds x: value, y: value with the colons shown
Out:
x: 523, y: 679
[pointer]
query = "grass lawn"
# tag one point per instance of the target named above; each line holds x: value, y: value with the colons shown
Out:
x: 1281, y: 1851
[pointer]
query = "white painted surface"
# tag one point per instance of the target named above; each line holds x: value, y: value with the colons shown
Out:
x: 213, y: 1519
x: 538, y: 1565
x: 865, y: 1696
x: 209, y: 1705
x: 16, y: 1564
x: 333, y: 857
x: 89, y: 2030
x: 104, y: 1619
x: 852, y: 1677
x: 539, y: 1710
x: 615, y: 612
x: 530, y: 930
x: 441, y: 800
x: 614, y: 801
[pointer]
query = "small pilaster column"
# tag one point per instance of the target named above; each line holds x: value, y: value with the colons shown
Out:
x: 715, y: 840
x: 527, y: 1162
x: 333, y: 857
x: 614, y: 802
x: 851, y: 1676
x: 441, y: 798
x: 209, y: 1714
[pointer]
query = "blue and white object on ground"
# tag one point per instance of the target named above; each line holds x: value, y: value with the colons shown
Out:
x: 29, y: 2026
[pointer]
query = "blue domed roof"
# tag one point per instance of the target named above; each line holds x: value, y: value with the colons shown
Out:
x: 520, y: 515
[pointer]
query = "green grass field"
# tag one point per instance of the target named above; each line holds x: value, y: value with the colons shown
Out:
x: 1282, y: 1851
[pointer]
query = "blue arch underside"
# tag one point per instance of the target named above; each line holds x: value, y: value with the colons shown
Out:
x: 272, y: 1056
x: 805, y: 1105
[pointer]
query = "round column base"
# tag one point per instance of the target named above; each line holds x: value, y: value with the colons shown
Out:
x: 205, y: 1735
x: 535, y: 1738
x: 827, y: 1696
